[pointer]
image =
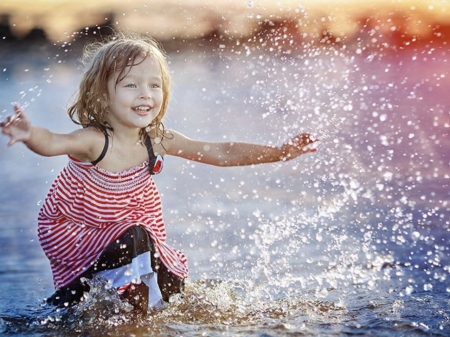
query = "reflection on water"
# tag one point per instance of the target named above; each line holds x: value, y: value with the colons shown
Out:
x: 348, y: 240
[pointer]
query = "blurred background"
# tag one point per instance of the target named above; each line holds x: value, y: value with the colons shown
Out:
x: 350, y: 240
x: 388, y: 22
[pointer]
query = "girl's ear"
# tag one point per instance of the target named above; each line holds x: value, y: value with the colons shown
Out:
x: 105, y: 102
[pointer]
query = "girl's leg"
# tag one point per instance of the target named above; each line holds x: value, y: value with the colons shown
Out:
x: 130, y: 265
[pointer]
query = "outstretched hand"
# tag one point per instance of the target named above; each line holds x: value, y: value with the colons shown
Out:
x: 298, y: 145
x: 17, y: 127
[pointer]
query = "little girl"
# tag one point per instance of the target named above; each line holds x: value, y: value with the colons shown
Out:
x: 103, y: 216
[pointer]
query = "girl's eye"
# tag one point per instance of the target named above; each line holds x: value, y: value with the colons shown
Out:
x: 131, y: 85
x: 153, y: 86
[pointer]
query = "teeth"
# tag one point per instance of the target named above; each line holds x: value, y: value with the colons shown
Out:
x: 142, y: 108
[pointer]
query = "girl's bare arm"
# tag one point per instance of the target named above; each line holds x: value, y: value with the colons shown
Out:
x: 235, y: 153
x: 44, y: 142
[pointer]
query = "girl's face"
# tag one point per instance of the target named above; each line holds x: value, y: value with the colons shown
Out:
x: 136, y: 100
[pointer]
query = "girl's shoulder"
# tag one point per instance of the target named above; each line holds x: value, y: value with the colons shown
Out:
x: 89, y: 136
x: 167, y: 140
x: 90, y: 133
x: 92, y: 140
x: 161, y: 141
x: 175, y: 143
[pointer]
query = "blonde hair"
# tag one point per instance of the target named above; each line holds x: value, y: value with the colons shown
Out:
x: 102, y: 60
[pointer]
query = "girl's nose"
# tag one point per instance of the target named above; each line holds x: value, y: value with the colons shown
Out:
x: 145, y: 94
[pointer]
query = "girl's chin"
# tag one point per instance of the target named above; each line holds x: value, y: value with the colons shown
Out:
x: 144, y: 121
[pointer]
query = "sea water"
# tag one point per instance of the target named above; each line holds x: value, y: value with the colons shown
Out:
x: 351, y: 240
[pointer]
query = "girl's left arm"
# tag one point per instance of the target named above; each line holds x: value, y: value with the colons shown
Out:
x: 235, y: 153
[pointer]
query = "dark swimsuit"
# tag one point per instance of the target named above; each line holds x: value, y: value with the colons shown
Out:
x: 155, y: 163
x: 105, y: 149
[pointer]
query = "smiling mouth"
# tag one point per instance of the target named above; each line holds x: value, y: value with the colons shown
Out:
x: 142, y: 110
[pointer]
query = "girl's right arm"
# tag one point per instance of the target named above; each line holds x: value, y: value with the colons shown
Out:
x: 44, y: 142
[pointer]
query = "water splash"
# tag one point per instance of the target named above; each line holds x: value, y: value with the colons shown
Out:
x: 205, y: 303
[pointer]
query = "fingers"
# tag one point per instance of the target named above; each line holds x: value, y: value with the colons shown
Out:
x: 17, y: 115
x: 17, y: 109
x: 6, y: 122
x: 11, y: 142
x: 8, y: 126
x: 9, y: 120
x: 308, y: 139
x: 303, y: 140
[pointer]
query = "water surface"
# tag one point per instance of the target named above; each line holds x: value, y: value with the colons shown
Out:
x: 350, y: 240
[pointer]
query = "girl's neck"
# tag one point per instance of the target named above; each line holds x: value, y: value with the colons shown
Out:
x: 126, y: 135
x: 127, y: 139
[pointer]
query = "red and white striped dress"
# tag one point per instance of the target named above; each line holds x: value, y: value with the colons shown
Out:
x: 87, y: 208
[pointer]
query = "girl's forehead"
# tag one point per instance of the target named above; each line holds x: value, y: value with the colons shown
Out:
x: 141, y: 66
x: 140, y: 60
x: 145, y: 63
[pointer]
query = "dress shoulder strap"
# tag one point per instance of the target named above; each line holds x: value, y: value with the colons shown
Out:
x: 155, y: 162
x: 105, y: 149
